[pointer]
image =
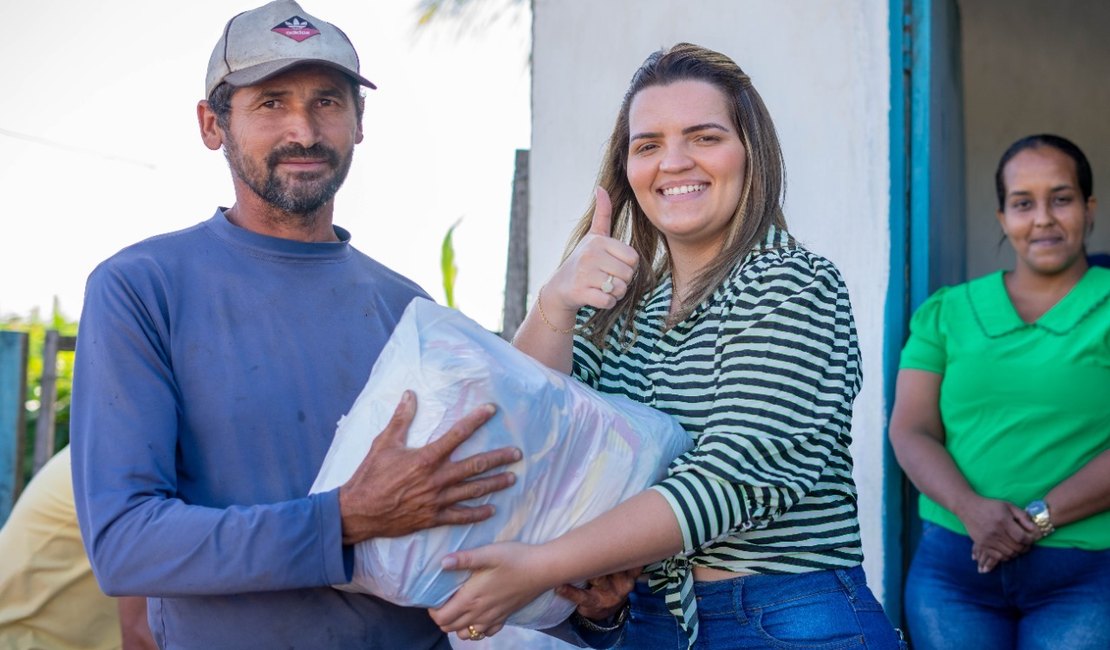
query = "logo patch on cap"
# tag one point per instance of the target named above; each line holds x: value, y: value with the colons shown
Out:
x: 296, y: 28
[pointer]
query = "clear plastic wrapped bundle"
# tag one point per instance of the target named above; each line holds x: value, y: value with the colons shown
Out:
x: 583, y: 452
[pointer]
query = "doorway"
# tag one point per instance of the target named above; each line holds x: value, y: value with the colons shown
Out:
x: 969, y: 77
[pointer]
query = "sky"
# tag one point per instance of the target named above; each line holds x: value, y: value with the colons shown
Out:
x: 100, y: 146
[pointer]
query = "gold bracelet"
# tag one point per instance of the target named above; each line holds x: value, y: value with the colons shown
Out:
x: 543, y: 315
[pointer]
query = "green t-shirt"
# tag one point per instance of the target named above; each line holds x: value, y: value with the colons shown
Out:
x: 1024, y: 406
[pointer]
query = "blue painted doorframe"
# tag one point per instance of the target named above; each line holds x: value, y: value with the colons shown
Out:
x: 897, y: 308
x: 927, y: 231
x: 938, y: 233
x: 13, y: 373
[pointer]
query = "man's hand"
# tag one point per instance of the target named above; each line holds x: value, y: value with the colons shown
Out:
x: 397, y: 490
x: 602, y: 597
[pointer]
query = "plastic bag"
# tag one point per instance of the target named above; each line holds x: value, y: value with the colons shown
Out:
x: 583, y: 452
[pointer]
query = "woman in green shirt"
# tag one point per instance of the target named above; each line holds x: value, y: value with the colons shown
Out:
x: 1001, y: 420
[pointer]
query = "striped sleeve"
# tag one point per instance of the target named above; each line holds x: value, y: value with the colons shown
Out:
x: 586, y: 359
x: 787, y: 363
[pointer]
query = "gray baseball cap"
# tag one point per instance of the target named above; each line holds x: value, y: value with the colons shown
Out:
x: 262, y: 42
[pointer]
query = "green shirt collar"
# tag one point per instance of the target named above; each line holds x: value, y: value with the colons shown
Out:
x: 997, y: 317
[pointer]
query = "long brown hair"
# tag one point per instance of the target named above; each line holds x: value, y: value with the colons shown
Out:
x: 761, y: 198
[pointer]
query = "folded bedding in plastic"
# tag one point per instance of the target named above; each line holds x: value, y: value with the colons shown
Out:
x: 583, y: 452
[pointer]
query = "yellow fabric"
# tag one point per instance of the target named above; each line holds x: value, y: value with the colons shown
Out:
x: 49, y: 599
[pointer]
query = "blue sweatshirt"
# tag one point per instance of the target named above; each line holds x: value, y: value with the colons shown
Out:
x: 212, y: 367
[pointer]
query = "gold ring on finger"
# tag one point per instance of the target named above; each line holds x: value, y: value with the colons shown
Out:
x: 475, y: 635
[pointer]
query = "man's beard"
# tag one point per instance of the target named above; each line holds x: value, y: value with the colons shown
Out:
x: 306, y: 193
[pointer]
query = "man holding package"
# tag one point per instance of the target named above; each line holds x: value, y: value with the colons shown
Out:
x: 213, y: 364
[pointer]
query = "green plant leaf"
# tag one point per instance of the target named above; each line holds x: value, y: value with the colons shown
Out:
x: 447, y: 265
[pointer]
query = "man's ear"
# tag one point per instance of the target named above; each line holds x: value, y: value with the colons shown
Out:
x: 361, y: 111
x: 210, y: 131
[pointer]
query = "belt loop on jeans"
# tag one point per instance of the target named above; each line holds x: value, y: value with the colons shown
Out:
x: 847, y: 582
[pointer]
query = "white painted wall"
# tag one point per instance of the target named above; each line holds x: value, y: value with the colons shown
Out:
x: 823, y: 71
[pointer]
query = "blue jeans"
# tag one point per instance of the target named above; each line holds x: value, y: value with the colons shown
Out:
x: 1046, y: 598
x: 822, y: 610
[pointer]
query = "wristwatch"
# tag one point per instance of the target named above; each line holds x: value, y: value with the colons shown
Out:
x: 1038, y: 512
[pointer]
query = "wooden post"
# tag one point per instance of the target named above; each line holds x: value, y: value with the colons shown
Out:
x: 13, y: 398
x: 516, y: 267
x: 48, y: 394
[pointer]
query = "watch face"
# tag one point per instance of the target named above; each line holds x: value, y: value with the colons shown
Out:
x: 1038, y: 512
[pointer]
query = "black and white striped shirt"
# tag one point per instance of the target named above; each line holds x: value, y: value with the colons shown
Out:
x: 762, y: 376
